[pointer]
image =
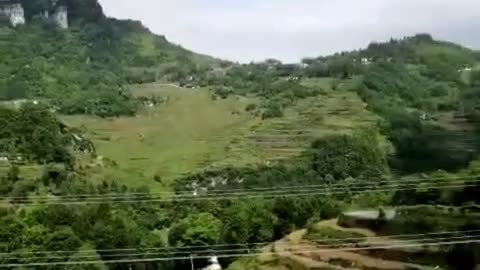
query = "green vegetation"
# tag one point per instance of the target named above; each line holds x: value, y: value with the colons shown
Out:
x: 221, y: 134
x: 344, y: 156
x: 110, y: 224
x: 412, y: 84
x: 214, y: 126
x: 33, y: 134
x: 187, y: 132
x: 324, y: 236
x: 85, y: 69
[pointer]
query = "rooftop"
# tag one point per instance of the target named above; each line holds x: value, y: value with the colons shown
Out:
x: 371, y: 214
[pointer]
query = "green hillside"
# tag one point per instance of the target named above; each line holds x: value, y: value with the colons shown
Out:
x: 103, y: 118
x: 87, y: 68
x: 205, y: 133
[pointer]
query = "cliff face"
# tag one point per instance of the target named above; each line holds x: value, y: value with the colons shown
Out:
x: 60, y: 17
x: 13, y: 12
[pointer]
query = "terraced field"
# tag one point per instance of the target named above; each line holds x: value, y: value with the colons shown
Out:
x: 333, y: 113
x: 191, y: 131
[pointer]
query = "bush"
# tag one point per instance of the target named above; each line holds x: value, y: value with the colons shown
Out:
x: 101, y: 102
x: 439, y: 90
x: 223, y: 92
x: 251, y: 107
x: 273, y: 110
x: 139, y: 77
x: 354, y: 156
x: 157, y: 178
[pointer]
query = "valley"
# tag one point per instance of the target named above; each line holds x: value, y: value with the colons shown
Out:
x: 120, y: 150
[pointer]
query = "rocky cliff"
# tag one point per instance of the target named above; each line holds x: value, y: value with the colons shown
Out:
x: 13, y: 11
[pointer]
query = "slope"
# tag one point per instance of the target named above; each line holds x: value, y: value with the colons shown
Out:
x: 189, y: 131
x: 86, y: 68
x: 355, y: 247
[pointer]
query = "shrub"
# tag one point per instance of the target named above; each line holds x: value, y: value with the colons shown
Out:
x: 157, y: 178
x: 273, y: 110
x: 342, y: 156
x: 223, y: 92
x: 330, y: 236
x: 251, y: 107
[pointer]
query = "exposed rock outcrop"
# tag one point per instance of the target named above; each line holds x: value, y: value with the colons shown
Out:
x: 60, y: 16
x: 13, y: 11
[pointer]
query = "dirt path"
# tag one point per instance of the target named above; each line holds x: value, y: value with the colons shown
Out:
x: 295, y: 252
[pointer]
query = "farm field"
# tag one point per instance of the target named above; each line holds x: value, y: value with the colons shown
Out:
x: 190, y: 131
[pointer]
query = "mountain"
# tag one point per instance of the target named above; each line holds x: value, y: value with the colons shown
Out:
x: 393, y: 124
x: 86, y: 67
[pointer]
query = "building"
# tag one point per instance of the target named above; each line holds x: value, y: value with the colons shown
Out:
x: 214, y: 264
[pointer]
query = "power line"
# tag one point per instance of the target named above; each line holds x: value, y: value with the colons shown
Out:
x: 224, y: 251
x: 269, y: 195
x: 301, y: 251
x: 473, y: 178
x: 244, y: 244
x: 265, y: 195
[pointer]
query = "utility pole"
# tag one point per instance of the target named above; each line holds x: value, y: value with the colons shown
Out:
x: 191, y: 262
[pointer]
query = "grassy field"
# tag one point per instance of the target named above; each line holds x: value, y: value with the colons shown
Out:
x: 190, y: 131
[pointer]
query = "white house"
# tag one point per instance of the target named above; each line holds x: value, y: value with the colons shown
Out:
x: 214, y: 264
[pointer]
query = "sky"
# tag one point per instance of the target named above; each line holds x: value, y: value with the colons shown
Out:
x: 288, y: 30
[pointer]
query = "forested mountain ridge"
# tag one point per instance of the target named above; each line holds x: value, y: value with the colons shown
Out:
x: 87, y: 67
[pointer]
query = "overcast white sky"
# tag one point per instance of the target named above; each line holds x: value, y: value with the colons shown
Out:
x: 244, y: 30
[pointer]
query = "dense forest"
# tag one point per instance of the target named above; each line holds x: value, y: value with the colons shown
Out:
x: 64, y: 217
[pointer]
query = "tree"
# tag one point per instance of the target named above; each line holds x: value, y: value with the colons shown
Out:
x: 317, y: 69
x: 273, y: 110
x: 53, y: 216
x: 84, y: 251
x: 33, y: 132
x: 342, y: 156
x: 195, y: 230
x: 15, y: 89
x: 35, y: 236
x: 11, y: 226
x: 63, y: 239
x: 248, y: 222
